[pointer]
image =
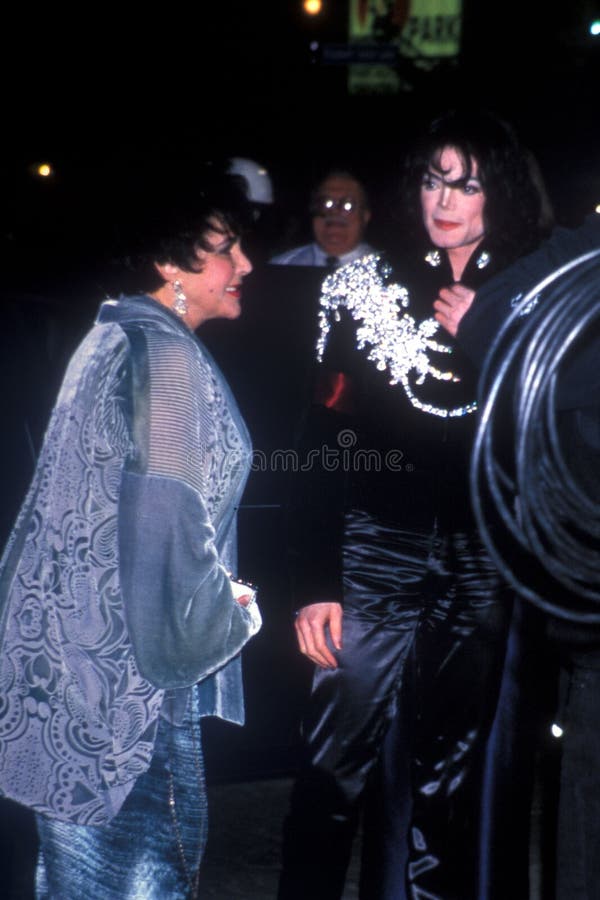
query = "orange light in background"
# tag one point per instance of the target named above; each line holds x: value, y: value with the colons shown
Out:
x: 44, y: 170
x: 312, y: 7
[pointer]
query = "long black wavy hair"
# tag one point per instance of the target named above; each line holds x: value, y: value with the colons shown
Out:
x: 512, y: 213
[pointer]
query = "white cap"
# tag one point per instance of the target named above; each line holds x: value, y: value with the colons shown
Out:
x: 258, y: 183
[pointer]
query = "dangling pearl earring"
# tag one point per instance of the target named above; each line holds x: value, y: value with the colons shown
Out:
x: 179, y: 304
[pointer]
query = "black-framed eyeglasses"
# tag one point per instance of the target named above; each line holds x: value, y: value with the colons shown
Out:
x: 321, y: 206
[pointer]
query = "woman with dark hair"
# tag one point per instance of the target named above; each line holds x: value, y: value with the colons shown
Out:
x: 401, y: 608
x: 121, y: 620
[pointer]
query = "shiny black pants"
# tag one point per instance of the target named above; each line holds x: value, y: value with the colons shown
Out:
x: 423, y: 638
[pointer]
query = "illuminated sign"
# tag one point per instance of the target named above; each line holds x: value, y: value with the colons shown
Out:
x: 423, y: 32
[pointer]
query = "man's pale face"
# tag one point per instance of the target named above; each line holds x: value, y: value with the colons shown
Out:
x: 341, y: 215
x: 452, y: 206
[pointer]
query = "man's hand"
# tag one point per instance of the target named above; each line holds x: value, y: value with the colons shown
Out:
x: 312, y: 624
x: 451, y: 305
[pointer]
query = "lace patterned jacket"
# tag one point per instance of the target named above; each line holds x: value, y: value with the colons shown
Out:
x: 115, y: 589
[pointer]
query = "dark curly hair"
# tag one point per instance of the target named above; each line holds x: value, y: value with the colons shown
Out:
x: 512, y: 212
x: 168, y: 220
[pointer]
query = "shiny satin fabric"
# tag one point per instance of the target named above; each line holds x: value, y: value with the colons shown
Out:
x: 424, y: 621
x: 138, y: 854
x: 459, y: 653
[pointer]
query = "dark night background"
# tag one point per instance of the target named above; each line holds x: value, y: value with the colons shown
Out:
x: 104, y: 88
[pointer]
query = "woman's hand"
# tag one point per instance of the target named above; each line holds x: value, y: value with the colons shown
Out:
x: 312, y: 624
x: 243, y: 593
x: 451, y: 305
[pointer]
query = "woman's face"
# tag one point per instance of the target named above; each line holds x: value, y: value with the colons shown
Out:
x: 452, y: 207
x: 215, y: 291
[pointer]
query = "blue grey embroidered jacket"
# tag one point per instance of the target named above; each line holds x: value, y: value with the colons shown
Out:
x: 115, y: 589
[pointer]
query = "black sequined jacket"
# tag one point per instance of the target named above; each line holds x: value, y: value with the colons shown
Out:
x: 391, y: 424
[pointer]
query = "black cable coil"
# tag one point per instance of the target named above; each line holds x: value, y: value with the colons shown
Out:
x: 539, y: 520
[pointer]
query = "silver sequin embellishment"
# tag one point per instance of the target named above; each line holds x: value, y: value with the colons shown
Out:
x: 393, y: 339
